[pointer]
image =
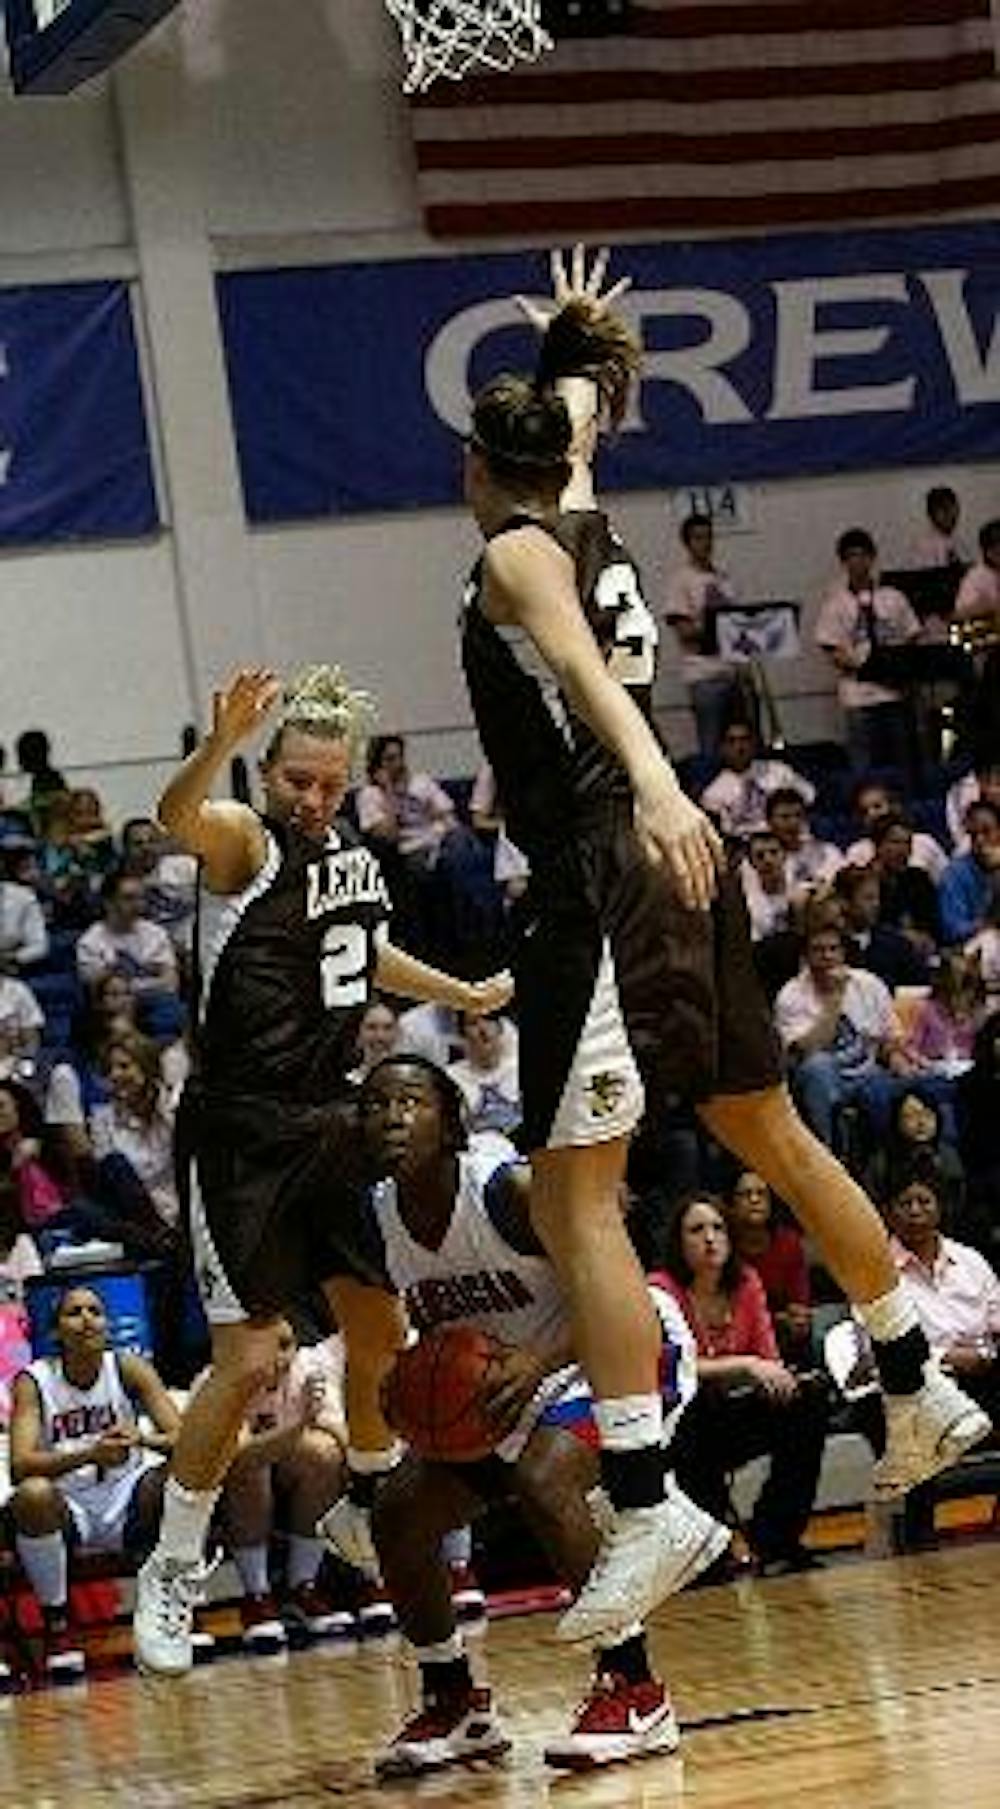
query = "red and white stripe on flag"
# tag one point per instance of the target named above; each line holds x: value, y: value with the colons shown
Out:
x: 724, y: 116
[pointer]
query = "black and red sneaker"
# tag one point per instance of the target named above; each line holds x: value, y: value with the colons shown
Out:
x: 616, y: 1722
x: 307, y: 1612
x: 457, y: 1729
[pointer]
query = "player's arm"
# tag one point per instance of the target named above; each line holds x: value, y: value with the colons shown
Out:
x: 27, y: 1454
x: 146, y: 1389
x: 398, y: 972
x: 226, y: 836
x: 529, y: 583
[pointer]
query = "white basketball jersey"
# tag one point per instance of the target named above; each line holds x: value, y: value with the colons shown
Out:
x: 74, y: 1417
x: 474, y: 1277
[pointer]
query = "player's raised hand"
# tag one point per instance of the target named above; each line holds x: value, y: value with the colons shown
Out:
x: 678, y: 836
x: 574, y: 284
x: 241, y: 706
x: 485, y: 996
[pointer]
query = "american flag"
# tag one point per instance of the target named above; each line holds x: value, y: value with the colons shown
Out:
x: 724, y: 116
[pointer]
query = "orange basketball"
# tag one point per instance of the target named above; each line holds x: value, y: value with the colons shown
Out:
x: 433, y: 1395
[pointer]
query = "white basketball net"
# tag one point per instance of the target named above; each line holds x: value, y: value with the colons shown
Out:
x: 450, y: 37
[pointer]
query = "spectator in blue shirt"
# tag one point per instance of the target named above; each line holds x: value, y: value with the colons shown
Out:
x: 971, y: 882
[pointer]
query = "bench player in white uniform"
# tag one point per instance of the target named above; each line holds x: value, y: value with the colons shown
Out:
x: 589, y: 358
x: 453, y: 1234
x: 86, y: 1474
x: 293, y: 937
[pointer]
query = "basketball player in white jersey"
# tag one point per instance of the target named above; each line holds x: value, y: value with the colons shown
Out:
x: 85, y: 1473
x: 452, y: 1231
x: 586, y: 359
x: 292, y: 938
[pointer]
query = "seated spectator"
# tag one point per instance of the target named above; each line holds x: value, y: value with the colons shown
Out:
x: 954, y: 1289
x: 19, y: 1262
x: 877, y: 946
x: 942, y: 1034
x: 765, y: 886
x: 170, y: 877
x: 488, y: 1075
x: 136, y: 1126
x: 695, y: 591
x: 778, y: 1254
x: 34, y: 757
x: 289, y: 1469
x: 874, y: 803
x: 77, y: 1083
x: 940, y: 544
x: 21, y: 1021
x: 125, y: 939
x: 24, y: 938
x: 408, y: 812
x: 808, y: 862
x: 27, y: 1164
x: 917, y: 1134
x: 909, y: 898
x: 843, y: 1038
x: 982, y: 785
x: 737, y: 796
x: 748, y: 1402
x: 971, y: 882
x: 857, y: 617
x: 979, y: 591
x: 77, y: 854
x: 378, y: 1036
x: 510, y: 866
x: 85, y: 1471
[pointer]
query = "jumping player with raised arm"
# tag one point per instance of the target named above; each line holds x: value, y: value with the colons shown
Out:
x: 738, y: 1086
x: 292, y: 938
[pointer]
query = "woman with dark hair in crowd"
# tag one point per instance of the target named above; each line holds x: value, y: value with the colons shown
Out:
x: 916, y: 1132
x: 909, y: 896
x: 777, y: 1251
x: 25, y: 1158
x: 749, y: 1404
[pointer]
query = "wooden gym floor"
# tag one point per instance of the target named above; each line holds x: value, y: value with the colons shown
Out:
x: 866, y: 1686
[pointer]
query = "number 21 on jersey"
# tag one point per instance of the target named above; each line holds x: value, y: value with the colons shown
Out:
x: 343, y: 966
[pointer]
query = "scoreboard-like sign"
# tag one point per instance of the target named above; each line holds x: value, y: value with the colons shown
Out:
x: 54, y: 45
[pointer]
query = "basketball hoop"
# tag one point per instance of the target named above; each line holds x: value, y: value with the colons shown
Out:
x: 449, y: 37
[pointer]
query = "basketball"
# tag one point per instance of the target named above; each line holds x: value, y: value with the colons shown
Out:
x: 432, y: 1397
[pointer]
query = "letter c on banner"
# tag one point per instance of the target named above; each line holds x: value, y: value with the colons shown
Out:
x: 446, y: 366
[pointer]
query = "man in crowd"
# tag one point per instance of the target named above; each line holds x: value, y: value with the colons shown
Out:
x: 695, y: 591
x: 737, y: 797
x: 971, y: 882
x: 859, y: 617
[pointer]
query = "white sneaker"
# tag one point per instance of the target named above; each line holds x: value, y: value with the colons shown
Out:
x: 454, y: 1732
x: 166, y: 1595
x: 646, y: 1555
x: 926, y: 1432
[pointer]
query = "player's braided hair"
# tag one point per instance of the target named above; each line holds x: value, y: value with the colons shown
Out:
x: 584, y: 340
x: 523, y: 434
x: 319, y: 701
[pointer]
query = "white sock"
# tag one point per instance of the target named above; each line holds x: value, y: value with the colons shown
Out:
x: 305, y: 1555
x: 44, y: 1561
x: 251, y: 1562
x: 456, y: 1548
x: 630, y: 1422
x: 187, y: 1514
x: 374, y: 1463
x: 890, y: 1316
x: 444, y: 1653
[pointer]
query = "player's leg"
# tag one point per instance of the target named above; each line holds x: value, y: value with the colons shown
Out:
x: 626, y: 1713
x: 169, y: 1583
x: 930, y: 1420
x: 246, y: 1519
x: 42, y: 1525
x: 415, y: 1507
x: 372, y: 1324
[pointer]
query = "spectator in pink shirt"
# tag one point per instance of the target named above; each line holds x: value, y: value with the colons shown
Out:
x: 858, y: 618
x: 748, y: 1403
x: 695, y: 591
x: 943, y: 1032
x: 954, y: 1289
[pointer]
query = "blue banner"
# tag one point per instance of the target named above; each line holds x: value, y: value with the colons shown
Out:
x: 74, y: 452
x: 764, y: 358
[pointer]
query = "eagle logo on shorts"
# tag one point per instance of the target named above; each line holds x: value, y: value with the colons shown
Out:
x: 604, y: 1094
